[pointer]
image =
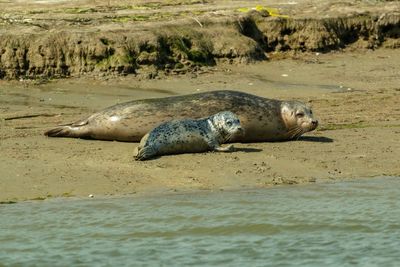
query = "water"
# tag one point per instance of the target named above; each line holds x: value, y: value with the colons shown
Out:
x: 342, y: 224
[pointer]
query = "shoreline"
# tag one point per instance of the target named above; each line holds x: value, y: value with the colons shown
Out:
x: 196, y: 192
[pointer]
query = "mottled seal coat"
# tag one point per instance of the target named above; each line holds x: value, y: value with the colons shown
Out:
x: 190, y: 136
x: 262, y: 119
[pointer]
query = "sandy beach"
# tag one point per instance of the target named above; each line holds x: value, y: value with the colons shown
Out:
x: 354, y: 94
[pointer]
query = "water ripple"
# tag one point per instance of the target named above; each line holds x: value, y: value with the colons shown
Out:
x: 343, y: 224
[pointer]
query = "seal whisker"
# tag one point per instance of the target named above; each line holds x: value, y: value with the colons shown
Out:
x: 300, y: 133
x: 228, y: 137
x: 292, y: 130
x: 295, y: 132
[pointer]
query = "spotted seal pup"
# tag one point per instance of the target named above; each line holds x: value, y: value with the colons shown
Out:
x: 262, y: 119
x: 190, y: 136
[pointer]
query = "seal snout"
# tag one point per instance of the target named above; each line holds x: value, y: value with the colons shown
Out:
x: 314, y: 123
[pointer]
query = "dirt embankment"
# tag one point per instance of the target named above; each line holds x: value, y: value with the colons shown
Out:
x: 148, y: 38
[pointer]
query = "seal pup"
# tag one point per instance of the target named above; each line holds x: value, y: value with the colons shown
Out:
x: 190, y: 136
x: 262, y: 119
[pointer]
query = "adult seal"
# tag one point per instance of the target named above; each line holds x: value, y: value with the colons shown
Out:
x: 262, y: 119
x: 190, y: 136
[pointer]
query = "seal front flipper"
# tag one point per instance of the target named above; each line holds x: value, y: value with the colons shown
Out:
x: 229, y: 148
x: 76, y: 129
x: 142, y: 153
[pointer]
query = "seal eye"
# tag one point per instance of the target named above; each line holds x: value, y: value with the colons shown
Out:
x: 229, y: 123
x: 300, y: 115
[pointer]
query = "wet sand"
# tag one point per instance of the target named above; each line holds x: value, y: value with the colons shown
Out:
x: 353, y: 94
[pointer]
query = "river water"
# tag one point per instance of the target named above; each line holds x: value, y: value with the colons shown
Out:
x: 352, y: 223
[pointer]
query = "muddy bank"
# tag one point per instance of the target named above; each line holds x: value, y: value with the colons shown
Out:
x: 154, y: 38
x: 354, y: 95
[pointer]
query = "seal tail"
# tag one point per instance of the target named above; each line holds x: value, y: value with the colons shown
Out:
x: 68, y: 130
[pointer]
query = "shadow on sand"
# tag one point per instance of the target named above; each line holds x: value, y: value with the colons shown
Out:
x: 320, y: 139
x: 247, y: 149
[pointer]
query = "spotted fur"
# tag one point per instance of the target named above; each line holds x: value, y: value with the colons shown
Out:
x: 190, y: 136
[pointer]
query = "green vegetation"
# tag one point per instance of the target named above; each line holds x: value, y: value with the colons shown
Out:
x: 157, y: 5
x: 123, y: 19
x: 104, y: 41
x: 78, y: 10
x: 66, y: 194
x: 156, y: 16
x: 39, y: 198
x: 184, y: 46
x: 117, y: 61
x: 8, y: 202
x: 32, y: 12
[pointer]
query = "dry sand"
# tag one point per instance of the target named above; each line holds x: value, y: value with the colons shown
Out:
x: 355, y: 95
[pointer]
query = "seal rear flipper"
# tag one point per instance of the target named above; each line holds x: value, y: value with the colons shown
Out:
x: 68, y: 130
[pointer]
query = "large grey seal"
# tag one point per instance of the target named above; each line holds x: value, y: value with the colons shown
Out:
x: 262, y: 119
x: 190, y: 136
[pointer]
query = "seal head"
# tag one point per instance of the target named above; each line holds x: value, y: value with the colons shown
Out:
x: 225, y: 125
x: 298, y: 118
